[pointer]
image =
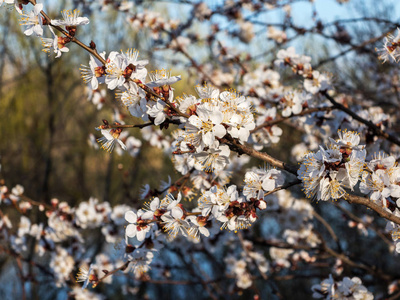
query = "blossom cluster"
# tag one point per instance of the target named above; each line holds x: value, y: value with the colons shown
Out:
x: 381, y: 179
x: 326, y: 173
x: 314, y: 81
x: 243, y: 268
x: 390, y: 49
x: 348, y: 288
x: 66, y: 225
x: 295, y: 218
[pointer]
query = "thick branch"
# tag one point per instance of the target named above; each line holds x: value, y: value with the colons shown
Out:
x: 372, y: 205
x: 236, y: 146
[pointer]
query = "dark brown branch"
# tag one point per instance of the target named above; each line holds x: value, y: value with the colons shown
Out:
x: 328, y: 227
x: 120, y: 268
x: 130, y: 126
x: 236, y: 146
x: 281, y: 119
x: 376, y: 129
x: 372, y: 205
x: 365, y: 224
x: 373, y: 270
x: 360, y: 46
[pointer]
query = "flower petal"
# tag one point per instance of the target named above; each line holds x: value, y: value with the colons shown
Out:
x: 130, y: 216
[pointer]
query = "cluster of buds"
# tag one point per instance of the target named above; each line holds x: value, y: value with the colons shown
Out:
x: 245, y: 211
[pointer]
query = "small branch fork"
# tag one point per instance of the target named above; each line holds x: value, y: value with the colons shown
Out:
x: 281, y: 119
x: 375, y: 129
x: 110, y: 273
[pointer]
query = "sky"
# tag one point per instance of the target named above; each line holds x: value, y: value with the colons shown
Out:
x: 302, y: 13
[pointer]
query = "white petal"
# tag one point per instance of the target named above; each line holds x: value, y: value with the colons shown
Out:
x: 204, y: 231
x: 141, y: 235
x: 159, y: 118
x: 38, y: 8
x: 94, y: 83
x: 177, y: 212
x: 216, y: 117
x: 148, y: 215
x: 121, y: 144
x: 219, y: 130
x: 154, y: 204
x: 268, y: 184
x: 82, y: 20
x: 130, y: 230
x: 131, y: 217
x: 243, y: 134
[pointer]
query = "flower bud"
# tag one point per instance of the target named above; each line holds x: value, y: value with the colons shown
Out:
x: 54, y: 202
x: 252, y: 218
x: 92, y: 45
x: 261, y: 205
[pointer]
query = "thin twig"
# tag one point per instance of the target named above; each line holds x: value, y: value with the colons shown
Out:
x: 281, y: 119
x: 365, y: 224
x: 360, y: 46
x: 328, y: 227
x: 241, y: 239
x: 376, y: 129
x: 120, y: 268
